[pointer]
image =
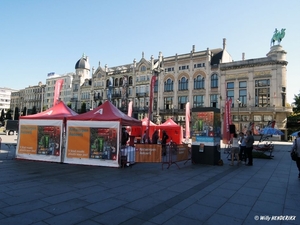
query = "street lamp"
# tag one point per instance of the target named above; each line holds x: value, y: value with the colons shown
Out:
x: 238, y: 102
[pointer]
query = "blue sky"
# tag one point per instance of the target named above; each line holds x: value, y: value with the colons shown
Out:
x: 38, y: 37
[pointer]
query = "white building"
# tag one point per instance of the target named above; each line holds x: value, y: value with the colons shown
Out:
x: 5, y: 95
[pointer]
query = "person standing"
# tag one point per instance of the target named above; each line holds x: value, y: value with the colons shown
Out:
x: 242, y: 147
x: 296, y: 147
x: 155, y: 137
x: 249, y: 147
x: 164, y: 142
x: 234, y: 149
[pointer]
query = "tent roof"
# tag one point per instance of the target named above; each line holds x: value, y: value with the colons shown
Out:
x: 169, y: 123
x: 59, y: 111
x: 107, y: 112
x: 145, y: 122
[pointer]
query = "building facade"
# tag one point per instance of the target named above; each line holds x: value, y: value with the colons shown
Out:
x: 204, y: 78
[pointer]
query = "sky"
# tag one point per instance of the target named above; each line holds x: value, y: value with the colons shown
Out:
x: 39, y: 37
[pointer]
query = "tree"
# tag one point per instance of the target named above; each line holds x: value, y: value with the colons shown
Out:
x: 83, y: 108
x: 33, y: 110
x: 17, y: 114
x: 296, y: 109
x: 8, y: 114
x: 69, y: 105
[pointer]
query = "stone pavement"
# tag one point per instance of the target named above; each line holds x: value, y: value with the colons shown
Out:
x: 52, y: 193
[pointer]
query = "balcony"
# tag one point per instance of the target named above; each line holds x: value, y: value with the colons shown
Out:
x: 144, y: 94
x: 262, y: 109
x: 116, y: 95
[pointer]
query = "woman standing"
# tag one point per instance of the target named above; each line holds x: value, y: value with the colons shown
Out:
x: 235, y: 149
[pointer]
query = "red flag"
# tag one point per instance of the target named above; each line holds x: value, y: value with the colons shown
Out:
x: 58, y: 87
x: 227, y: 121
x: 187, y: 121
x: 129, y: 109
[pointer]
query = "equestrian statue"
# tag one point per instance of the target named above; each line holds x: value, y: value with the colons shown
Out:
x: 278, y: 36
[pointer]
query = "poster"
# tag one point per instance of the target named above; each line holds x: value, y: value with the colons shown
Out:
x: 92, y: 143
x: 40, y: 140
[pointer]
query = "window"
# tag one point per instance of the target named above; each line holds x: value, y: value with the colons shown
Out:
x: 156, y: 86
x: 214, y: 81
x: 169, y: 69
x: 262, y: 93
x: 197, y: 65
x: 243, y: 84
x: 183, y: 84
x: 198, y: 101
x: 182, y: 100
x: 168, y: 103
x: 230, y: 85
x: 243, y: 97
x: 130, y: 81
x: 168, y: 87
x: 143, y: 68
x: 214, y: 101
x: 199, y: 82
x: 184, y: 67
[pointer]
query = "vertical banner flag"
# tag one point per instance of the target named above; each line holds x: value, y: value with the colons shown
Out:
x: 58, y: 87
x: 153, y: 79
x: 187, y: 121
x: 129, y: 109
x: 227, y: 121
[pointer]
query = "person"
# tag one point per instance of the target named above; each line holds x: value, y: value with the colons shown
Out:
x: 242, y: 147
x: 125, y: 136
x: 164, y: 139
x: 146, y: 139
x: 234, y: 149
x: 296, y: 147
x: 155, y: 137
x: 249, y: 147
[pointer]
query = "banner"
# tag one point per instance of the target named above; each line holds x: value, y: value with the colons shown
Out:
x: 227, y: 121
x: 130, y: 109
x: 58, y: 87
x: 153, y: 79
x: 187, y: 121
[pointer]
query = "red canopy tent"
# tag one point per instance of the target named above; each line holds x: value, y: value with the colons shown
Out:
x: 59, y: 111
x: 107, y: 112
x: 173, y: 130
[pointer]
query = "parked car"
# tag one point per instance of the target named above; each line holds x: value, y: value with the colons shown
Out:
x: 11, y: 126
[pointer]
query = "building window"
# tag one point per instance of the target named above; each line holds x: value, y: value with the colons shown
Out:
x: 169, y: 69
x: 214, y: 101
x: 243, y: 97
x: 197, y: 65
x: 262, y: 93
x: 186, y: 67
x: 182, y: 100
x: 143, y: 68
x: 199, y: 82
x: 230, y: 85
x: 183, y: 84
x: 130, y: 81
x: 214, y: 81
x: 243, y: 84
x: 168, y: 103
x: 198, y: 101
x: 168, y: 87
x: 156, y: 86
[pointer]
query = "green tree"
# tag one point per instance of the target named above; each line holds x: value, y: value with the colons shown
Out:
x: 8, y: 114
x: 33, y: 110
x: 83, y: 108
x: 17, y: 114
x: 296, y: 102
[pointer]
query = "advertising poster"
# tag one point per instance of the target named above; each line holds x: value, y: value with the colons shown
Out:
x: 92, y: 143
x: 147, y: 153
x: 40, y: 140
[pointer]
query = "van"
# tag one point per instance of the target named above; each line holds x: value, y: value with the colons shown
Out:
x: 11, y: 126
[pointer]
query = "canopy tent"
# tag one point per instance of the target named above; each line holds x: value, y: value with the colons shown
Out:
x: 107, y: 112
x: 93, y: 138
x: 40, y: 135
x: 59, y: 111
x: 173, y: 130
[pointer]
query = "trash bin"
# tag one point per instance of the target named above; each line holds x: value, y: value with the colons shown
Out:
x: 209, y: 155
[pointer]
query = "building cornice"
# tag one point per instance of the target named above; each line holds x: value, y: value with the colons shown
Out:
x: 249, y: 64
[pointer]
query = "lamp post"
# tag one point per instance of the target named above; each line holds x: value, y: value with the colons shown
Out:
x: 238, y: 102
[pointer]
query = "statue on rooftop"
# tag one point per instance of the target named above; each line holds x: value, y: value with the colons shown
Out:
x: 278, y: 36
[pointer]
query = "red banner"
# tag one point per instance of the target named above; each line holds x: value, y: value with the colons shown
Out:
x: 58, y: 87
x: 187, y: 121
x: 227, y: 121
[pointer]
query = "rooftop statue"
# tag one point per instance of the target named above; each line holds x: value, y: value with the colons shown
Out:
x: 278, y: 36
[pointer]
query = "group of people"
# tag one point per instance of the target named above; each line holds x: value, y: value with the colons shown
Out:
x: 155, y: 139
x: 241, y: 148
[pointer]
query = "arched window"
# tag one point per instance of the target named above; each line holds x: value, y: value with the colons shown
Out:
x: 120, y: 82
x: 130, y: 81
x: 168, y: 85
x: 116, y: 82
x: 214, y: 81
x: 143, y: 68
x: 199, y: 82
x: 183, y: 84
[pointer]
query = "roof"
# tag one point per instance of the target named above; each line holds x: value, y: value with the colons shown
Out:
x: 169, y: 123
x: 59, y: 111
x: 107, y: 112
x: 82, y: 63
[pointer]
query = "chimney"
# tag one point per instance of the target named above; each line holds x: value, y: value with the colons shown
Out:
x: 224, y: 43
x: 243, y: 56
